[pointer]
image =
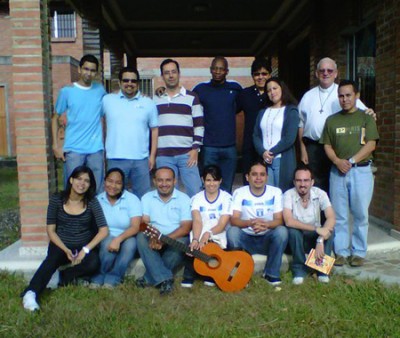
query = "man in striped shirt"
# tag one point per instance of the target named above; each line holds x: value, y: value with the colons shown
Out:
x: 180, y: 128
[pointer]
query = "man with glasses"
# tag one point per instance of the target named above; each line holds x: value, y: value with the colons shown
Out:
x: 302, y: 207
x: 251, y: 100
x: 219, y: 100
x: 315, y: 107
x: 181, y: 129
x: 131, y: 118
x: 81, y: 108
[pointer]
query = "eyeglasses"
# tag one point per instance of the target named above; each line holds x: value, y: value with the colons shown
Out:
x: 130, y: 80
x: 260, y: 74
x: 298, y: 180
x: 323, y: 71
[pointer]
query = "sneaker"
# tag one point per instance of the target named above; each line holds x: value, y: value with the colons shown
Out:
x: 298, y: 280
x: 166, y: 287
x: 108, y: 286
x: 94, y: 286
x: 29, y: 301
x: 340, y: 260
x: 323, y: 279
x: 141, y: 283
x: 209, y: 282
x: 356, y: 261
x: 187, y: 283
x: 273, y: 281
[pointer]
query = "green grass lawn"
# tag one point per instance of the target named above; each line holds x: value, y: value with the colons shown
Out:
x: 8, y: 189
x: 344, y: 308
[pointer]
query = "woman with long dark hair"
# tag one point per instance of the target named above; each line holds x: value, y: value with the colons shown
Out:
x: 75, y: 226
x: 275, y: 134
x: 123, y: 213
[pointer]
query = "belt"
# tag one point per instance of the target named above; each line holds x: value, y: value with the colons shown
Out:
x: 307, y: 140
x: 361, y: 164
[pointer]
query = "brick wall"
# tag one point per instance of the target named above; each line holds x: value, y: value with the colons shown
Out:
x: 32, y: 102
x: 71, y: 47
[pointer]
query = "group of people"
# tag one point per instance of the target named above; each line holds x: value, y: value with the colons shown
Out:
x: 94, y: 238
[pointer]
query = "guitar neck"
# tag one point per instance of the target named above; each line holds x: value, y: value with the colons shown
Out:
x: 183, y: 247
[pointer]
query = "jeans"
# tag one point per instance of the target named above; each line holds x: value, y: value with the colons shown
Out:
x: 136, y: 171
x: 113, y: 265
x: 225, y: 158
x: 189, y: 175
x: 273, y: 244
x: 319, y: 163
x: 351, y: 191
x: 273, y: 172
x: 301, y: 241
x: 93, y: 161
x: 159, y: 264
x: 56, y: 258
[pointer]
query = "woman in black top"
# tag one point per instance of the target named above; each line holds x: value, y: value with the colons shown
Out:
x: 75, y: 225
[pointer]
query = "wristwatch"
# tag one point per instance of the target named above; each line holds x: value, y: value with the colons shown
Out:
x: 351, y: 160
x: 320, y: 240
x: 85, y: 249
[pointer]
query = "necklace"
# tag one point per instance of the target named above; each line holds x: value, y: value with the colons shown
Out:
x: 320, y: 100
x: 269, y: 136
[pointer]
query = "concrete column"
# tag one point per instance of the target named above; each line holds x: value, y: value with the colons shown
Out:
x: 31, y: 68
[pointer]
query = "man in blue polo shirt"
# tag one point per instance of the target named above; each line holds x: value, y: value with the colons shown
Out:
x: 218, y: 98
x: 83, y: 143
x: 131, y: 118
x: 168, y: 210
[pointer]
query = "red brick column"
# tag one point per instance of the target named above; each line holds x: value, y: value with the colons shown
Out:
x: 33, y: 104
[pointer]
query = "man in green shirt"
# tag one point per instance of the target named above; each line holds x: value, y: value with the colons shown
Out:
x: 349, y: 138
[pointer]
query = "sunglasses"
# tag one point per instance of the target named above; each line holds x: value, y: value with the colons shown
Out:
x: 323, y: 71
x: 261, y: 73
x: 130, y: 80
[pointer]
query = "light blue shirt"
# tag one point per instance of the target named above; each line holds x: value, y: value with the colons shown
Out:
x: 118, y: 216
x: 128, y: 125
x: 84, y: 132
x: 166, y: 216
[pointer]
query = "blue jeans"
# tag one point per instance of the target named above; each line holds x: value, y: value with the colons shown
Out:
x: 93, y: 161
x: 303, y: 241
x: 189, y: 175
x: 225, y: 158
x: 273, y: 172
x: 114, y: 264
x: 272, y: 244
x: 351, y: 191
x: 159, y: 264
x: 136, y: 171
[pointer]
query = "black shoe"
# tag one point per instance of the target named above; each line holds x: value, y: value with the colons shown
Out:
x: 141, y: 283
x: 166, y: 287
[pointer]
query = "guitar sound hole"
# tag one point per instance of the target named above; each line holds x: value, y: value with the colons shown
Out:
x: 213, y: 263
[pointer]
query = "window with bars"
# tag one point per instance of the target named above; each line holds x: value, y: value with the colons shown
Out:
x: 146, y: 86
x: 63, y: 24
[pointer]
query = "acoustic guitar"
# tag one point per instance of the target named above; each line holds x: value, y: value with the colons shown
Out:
x: 231, y: 270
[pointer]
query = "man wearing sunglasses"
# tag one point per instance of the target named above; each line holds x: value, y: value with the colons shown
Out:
x: 315, y: 107
x: 130, y: 119
x: 251, y: 100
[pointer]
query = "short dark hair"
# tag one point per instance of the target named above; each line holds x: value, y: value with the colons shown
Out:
x: 212, y: 170
x: 304, y: 167
x: 164, y: 167
x: 257, y: 162
x: 166, y: 61
x: 343, y: 83
x: 90, y: 193
x: 220, y: 58
x: 89, y: 58
x: 287, y: 96
x: 120, y: 171
x: 260, y: 62
x: 128, y: 70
